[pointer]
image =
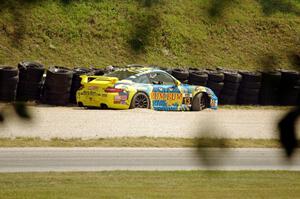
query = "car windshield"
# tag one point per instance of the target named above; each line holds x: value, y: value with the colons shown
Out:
x: 121, y: 74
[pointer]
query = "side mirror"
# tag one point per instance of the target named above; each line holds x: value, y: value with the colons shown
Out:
x: 177, y: 83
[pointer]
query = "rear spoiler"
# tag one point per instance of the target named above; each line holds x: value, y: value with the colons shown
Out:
x: 88, y: 78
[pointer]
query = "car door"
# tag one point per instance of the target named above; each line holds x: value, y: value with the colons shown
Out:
x: 165, y: 94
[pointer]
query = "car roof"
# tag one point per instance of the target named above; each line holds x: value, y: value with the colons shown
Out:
x: 139, y: 69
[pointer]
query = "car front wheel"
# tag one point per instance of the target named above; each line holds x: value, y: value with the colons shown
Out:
x: 199, y: 102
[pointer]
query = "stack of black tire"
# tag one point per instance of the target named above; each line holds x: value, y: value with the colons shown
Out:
x: 76, y: 81
x: 8, y: 83
x: 249, y: 88
x: 181, y: 74
x: 270, y: 85
x: 230, y: 90
x: 289, y: 88
x: 30, y: 81
x: 57, y: 86
x: 197, y: 77
x: 215, y: 81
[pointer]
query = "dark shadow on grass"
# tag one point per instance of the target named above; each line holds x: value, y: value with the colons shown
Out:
x: 217, y: 7
x: 142, y: 31
x: 270, y: 7
x: 148, y: 3
x: 145, y: 22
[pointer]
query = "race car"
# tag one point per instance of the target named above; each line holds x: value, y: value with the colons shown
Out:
x: 143, y: 87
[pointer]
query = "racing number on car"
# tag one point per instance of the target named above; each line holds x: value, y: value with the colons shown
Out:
x: 187, y: 100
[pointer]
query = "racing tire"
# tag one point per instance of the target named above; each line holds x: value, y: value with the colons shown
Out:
x: 140, y: 100
x: 199, y: 102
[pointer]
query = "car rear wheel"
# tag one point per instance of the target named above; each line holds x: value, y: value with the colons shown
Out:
x: 199, y: 102
x: 140, y: 100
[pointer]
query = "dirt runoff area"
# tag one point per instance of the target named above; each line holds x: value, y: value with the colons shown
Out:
x: 73, y: 122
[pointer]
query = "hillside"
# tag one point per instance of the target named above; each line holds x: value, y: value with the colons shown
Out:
x: 207, y: 33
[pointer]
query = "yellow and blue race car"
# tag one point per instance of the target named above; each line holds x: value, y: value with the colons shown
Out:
x: 143, y: 87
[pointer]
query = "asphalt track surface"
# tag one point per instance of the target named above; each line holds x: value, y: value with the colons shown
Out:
x: 74, y: 122
x: 104, y: 159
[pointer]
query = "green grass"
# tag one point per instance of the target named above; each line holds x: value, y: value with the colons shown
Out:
x: 244, y: 34
x: 253, y: 107
x: 134, y: 184
x: 140, y: 142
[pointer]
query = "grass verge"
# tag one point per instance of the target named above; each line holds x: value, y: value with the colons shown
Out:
x: 237, y: 34
x: 140, y: 142
x: 141, y: 184
x: 253, y: 107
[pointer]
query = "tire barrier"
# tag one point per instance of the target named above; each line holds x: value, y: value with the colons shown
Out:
x: 249, y: 88
x: 197, y: 77
x: 230, y: 90
x: 97, y: 71
x: 8, y: 83
x: 289, y: 88
x: 215, y: 81
x: 30, y: 81
x: 76, y: 81
x: 57, y: 86
x: 181, y: 74
x: 27, y: 82
x: 270, y: 85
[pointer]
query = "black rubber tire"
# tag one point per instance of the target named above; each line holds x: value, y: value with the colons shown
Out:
x: 29, y: 91
x: 59, y: 74
x: 192, y: 69
x: 135, y: 98
x: 7, y: 72
x: 250, y: 85
x: 248, y: 101
x: 215, y: 85
x: 98, y: 71
x: 227, y: 99
x: 8, y: 83
x: 251, y: 76
x: 233, y: 77
x: 215, y: 76
x: 229, y: 92
x: 198, y: 76
x: 197, y: 83
x: 200, y: 102
x: 55, y: 98
x: 249, y: 92
x: 31, y: 71
x: 8, y: 95
x: 231, y: 85
x: 76, y: 81
x: 180, y: 74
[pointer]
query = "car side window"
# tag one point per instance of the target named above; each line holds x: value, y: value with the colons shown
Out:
x: 161, y: 78
x: 143, y: 79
